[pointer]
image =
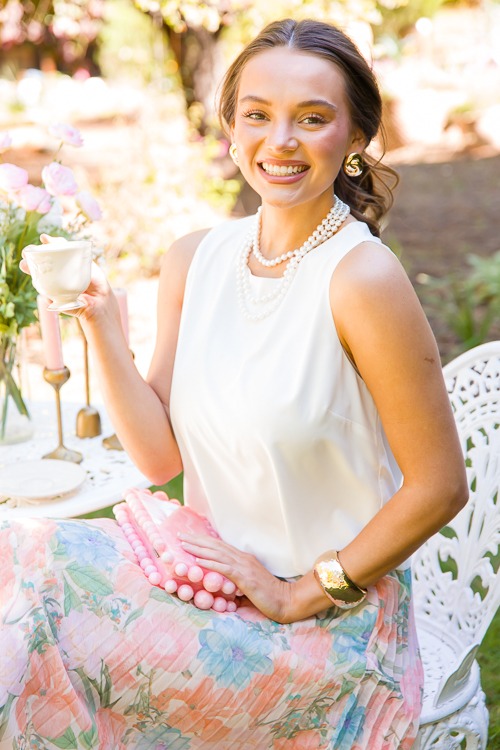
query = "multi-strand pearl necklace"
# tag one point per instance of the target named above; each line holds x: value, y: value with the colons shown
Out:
x: 257, y: 308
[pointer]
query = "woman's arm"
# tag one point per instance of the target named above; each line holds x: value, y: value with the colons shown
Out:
x: 139, y: 408
x: 381, y: 324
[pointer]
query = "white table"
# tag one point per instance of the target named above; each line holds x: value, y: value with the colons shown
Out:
x: 109, y: 472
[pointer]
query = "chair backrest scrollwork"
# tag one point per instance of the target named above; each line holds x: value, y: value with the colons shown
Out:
x: 456, y: 572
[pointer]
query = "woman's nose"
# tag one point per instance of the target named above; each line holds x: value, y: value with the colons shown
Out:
x: 282, y: 138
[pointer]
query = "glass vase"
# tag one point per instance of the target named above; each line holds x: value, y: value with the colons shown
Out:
x: 15, y: 421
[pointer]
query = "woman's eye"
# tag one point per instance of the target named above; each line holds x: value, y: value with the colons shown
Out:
x: 313, y: 120
x: 254, y: 115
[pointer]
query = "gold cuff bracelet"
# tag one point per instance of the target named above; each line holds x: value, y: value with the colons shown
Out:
x: 337, y: 585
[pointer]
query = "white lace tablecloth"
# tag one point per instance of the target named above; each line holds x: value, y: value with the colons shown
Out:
x: 109, y: 473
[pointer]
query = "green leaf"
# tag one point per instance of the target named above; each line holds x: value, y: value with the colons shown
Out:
x: 89, y: 579
x: 89, y: 739
x: 71, y: 599
x: 135, y: 614
x: 347, y: 687
x: 159, y: 594
x: 66, y: 741
x: 4, y: 714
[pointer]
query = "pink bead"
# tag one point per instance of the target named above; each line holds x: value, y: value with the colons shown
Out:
x: 203, y: 599
x: 150, y: 569
x: 238, y: 592
x: 145, y: 562
x: 228, y: 587
x: 185, y: 592
x: 175, y: 502
x: 213, y: 581
x: 220, y: 604
x: 160, y: 495
x: 154, y: 578
x: 170, y: 586
x: 140, y: 550
x: 195, y: 574
x: 181, y: 569
x: 133, y: 538
x: 167, y: 557
x: 231, y: 607
x: 141, y: 555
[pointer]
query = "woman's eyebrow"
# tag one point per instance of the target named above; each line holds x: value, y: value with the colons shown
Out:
x: 301, y: 105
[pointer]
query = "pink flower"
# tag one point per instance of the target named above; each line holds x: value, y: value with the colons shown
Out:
x: 59, y: 180
x: 111, y: 728
x: 5, y: 142
x: 12, y: 177
x: 66, y: 133
x: 88, y: 206
x: 35, y: 199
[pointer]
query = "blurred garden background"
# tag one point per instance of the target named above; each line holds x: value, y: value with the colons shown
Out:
x: 139, y: 78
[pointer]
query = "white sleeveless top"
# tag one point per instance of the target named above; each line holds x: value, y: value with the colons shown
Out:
x: 282, y: 445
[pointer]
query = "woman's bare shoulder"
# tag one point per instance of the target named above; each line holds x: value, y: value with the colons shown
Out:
x: 182, y: 250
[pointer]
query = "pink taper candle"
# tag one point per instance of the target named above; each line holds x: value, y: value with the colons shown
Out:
x: 121, y: 296
x: 51, y: 335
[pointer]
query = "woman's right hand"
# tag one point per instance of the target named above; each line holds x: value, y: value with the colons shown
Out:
x: 94, y: 297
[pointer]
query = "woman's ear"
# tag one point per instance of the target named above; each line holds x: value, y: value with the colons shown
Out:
x: 358, y: 142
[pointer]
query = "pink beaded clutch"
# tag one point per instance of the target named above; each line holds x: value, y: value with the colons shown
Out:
x: 150, y: 523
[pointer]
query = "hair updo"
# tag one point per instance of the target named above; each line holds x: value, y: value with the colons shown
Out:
x: 369, y: 195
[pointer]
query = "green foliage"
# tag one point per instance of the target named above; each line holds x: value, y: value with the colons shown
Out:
x: 469, y: 303
x: 489, y: 661
x: 17, y: 295
x: 391, y: 16
x: 131, y: 45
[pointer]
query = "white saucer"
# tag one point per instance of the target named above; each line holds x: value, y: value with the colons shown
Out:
x: 40, y: 480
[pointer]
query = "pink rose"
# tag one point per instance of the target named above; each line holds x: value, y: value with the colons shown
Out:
x: 66, y: 133
x: 88, y: 206
x: 12, y: 177
x: 59, y: 180
x: 5, y: 142
x: 35, y: 199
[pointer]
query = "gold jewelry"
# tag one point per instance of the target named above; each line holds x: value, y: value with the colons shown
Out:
x: 353, y: 165
x: 337, y: 585
x: 233, y: 153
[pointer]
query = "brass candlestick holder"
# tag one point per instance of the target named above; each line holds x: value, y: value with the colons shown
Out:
x: 57, y: 378
x: 112, y: 443
x: 88, y: 420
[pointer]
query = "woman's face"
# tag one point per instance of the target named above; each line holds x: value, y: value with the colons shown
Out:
x: 292, y: 127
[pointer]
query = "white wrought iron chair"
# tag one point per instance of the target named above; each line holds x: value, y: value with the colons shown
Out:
x: 456, y: 572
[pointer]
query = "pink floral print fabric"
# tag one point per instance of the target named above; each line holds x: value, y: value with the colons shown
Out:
x: 93, y: 656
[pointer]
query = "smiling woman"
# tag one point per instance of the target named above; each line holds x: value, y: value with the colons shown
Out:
x: 319, y: 444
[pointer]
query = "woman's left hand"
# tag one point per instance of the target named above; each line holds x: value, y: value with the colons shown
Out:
x: 269, y: 594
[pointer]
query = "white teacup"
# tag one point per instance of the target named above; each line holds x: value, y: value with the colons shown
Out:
x: 61, y: 270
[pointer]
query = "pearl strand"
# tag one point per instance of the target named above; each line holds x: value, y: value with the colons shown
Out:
x: 326, y: 229
x: 322, y: 231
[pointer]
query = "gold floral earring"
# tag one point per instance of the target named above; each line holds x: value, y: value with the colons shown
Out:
x: 233, y: 153
x: 353, y: 165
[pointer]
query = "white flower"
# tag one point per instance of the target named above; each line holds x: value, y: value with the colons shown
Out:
x: 88, y: 205
x: 66, y: 133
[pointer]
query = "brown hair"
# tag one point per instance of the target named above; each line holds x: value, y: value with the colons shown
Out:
x: 370, y: 195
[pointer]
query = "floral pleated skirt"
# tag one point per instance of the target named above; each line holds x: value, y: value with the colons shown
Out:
x: 93, y: 656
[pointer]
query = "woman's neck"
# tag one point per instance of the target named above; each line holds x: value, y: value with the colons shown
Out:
x: 286, y: 229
